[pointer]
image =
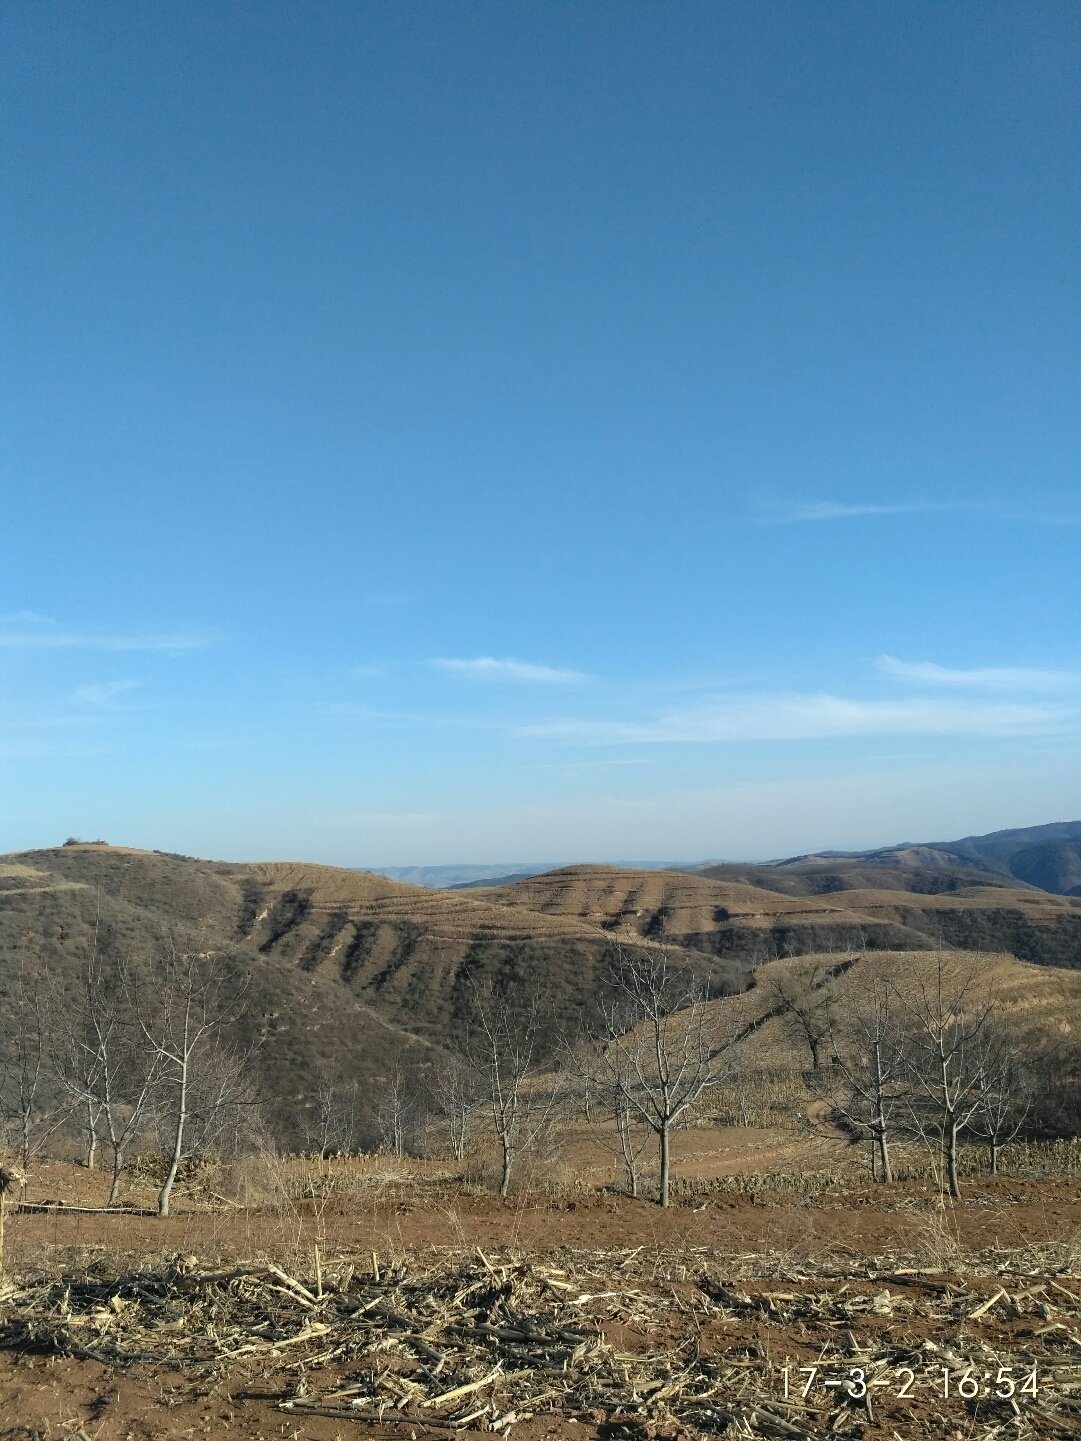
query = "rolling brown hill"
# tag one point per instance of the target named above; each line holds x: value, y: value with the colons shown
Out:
x: 1041, y: 1003
x: 351, y: 975
x: 917, y: 869
x: 732, y: 918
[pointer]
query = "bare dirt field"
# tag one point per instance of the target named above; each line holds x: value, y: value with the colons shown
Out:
x: 395, y: 1301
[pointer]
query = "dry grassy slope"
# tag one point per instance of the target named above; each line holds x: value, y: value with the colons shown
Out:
x: 417, y: 953
x: 350, y: 972
x: 732, y: 918
x: 450, y: 915
x: 139, y: 902
x: 1042, y: 1004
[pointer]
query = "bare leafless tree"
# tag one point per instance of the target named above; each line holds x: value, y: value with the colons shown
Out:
x: 330, y: 1125
x: 502, y: 1047
x: 396, y: 1112
x: 108, y: 1075
x: 951, y: 1009
x: 187, y: 1010
x: 1007, y: 1093
x: 602, y: 1083
x: 868, y: 1040
x: 31, y: 1097
x: 456, y: 1101
x: 657, y: 1047
x: 321, y: 1124
x: 802, y: 1001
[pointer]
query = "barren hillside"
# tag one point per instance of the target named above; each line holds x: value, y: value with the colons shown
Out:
x: 732, y: 918
x: 351, y: 975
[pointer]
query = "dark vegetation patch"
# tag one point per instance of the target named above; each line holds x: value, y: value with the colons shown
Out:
x: 286, y: 916
x: 317, y: 950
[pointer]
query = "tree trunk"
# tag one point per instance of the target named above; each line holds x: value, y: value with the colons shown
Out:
x: 874, y: 1157
x: 91, y: 1125
x: 949, y: 1137
x: 626, y: 1146
x: 504, y: 1182
x: 178, y: 1146
x: 118, y: 1170
x: 994, y: 1158
x: 884, y: 1155
x: 880, y: 1119
x: 664, y: 1164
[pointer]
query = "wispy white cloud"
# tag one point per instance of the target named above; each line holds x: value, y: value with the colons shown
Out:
x: 794, y: 512
x: 818, y: 717
x: 1008, y: 678
x: 486, y: 667
x: 27, y: 631
x: 106, y: 691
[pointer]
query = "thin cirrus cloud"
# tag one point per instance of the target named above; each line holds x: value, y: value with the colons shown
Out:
x: 818, y: 717
x: 795, y: 512
x: 27, y: 631
x: 106, y: 691
x: 801, y: 512
x: 1007, y: 678
x: 486, y: 667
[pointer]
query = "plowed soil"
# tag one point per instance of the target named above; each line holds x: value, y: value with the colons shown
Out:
x: 835, y: 1245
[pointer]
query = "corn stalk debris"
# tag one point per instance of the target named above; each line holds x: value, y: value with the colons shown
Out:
x: 637, y: 1344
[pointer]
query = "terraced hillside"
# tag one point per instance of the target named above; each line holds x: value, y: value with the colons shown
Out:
x: 733, y: 918
x: 417, y: 952
x: 351, y: 974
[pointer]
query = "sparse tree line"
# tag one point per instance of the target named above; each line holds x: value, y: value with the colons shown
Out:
x: 139, y: 1058
x: 927, y: 1056
x: 132, y: 1057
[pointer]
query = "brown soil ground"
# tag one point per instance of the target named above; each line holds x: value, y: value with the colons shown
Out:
x: 1006, y: 1214
x: 837, y: 1246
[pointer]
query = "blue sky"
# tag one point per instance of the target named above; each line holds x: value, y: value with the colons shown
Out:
x: 539, y: 431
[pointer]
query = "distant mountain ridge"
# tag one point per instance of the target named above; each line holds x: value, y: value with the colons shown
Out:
x: 1046, y: 857
x: 452, y: 877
